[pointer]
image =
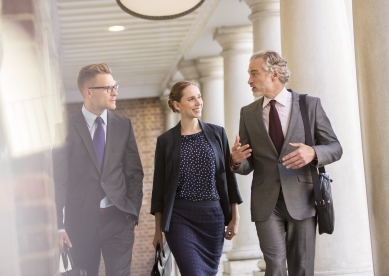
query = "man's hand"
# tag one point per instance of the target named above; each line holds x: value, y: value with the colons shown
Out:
x: 239, y: 152
x: 300, y: 157
x: 63, y: 238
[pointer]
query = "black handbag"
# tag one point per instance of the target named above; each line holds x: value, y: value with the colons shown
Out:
x: 74, y: 271
x: 163, y: 261
x: 321, y: 182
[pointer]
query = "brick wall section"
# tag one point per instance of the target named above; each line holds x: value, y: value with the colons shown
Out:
x: 148, y: 120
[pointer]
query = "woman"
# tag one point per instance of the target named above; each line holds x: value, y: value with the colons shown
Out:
x: 195, y: 194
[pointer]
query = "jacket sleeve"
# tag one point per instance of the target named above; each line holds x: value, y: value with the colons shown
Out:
x: 133, y: 171
x: 157, y: 197
x: 232, y: 184
x: 60, y: 159
x: 327, y: 148
x: 246, y: 166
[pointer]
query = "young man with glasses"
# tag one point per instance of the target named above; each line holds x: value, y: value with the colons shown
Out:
x: 98, y: 179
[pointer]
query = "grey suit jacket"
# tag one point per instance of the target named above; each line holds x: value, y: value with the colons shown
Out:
x: 269, y: 173
x: 78, y: 178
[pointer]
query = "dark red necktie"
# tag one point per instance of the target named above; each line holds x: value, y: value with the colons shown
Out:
x: 275, y: 128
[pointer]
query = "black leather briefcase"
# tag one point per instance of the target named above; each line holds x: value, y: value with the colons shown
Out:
x: 74, y: 271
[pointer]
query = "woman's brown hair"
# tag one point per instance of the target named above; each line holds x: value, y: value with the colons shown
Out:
x: 175, y: 94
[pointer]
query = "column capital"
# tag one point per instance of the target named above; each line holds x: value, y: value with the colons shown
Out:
x: 237, y: 39
x: 188, y: 69
x: 263, y: 8
x: 210, y: 67
x: 164, y: 98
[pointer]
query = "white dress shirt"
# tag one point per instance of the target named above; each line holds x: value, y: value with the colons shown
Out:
x: 283, y: 106
x: 90, y: 119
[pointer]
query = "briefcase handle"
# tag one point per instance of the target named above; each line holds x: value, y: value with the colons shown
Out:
x: 66, y: 256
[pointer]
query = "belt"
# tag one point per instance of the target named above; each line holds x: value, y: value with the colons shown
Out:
x: 106, y: 211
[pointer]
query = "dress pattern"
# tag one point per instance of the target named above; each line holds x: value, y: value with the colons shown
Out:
x: 196, y: 180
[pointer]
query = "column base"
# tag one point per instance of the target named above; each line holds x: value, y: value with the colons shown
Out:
x: 259, y: 273
x: 365, y: 271
x: 245, y: 253
x: 220, y: 268
x: 240, y: 268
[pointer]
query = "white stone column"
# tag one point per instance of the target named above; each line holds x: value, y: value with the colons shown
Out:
x: 349, y: 11
x: 317, y: 46
x: 171, y: 118
x: 237, y: 48
x: 265, y: 15
x: 210, y: 70
x: 371, y: 21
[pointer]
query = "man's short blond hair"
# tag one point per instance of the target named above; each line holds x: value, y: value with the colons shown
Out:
x: 89, y: 72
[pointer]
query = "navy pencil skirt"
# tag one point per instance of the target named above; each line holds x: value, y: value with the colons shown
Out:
x: 196, y: 236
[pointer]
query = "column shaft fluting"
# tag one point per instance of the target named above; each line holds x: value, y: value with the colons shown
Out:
x: 371, y: 21
x: 316, y: 42
x: 265, y: 15
x: 212, y: 89
x: 237, y: 49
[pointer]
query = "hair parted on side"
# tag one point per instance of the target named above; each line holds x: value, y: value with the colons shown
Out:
x: 89, y: 72
x: 175, y: 94
x: 273, y: 62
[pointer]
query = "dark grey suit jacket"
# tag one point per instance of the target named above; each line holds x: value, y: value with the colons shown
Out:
x: 167, y: 166
x: 78, y: 178
x: 269, y: 173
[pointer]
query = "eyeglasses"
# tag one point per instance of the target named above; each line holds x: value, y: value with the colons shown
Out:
x: 109, y: 88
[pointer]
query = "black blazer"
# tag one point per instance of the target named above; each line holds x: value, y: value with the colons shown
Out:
x: 78, y: 178
x: 167, y: 166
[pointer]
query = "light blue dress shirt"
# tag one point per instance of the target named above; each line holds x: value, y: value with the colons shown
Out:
x: 90, y: 119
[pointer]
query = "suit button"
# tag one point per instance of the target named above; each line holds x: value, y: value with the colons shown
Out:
x: 280, y: 161
x: 102, y: 183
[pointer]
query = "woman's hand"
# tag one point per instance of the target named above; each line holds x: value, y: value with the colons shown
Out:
x: 233, y: 226
x: 158, y: 239
x: 232, y: 229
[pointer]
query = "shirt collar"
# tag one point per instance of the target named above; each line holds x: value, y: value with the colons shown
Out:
x: 281, y: 98
x: 90, y: 118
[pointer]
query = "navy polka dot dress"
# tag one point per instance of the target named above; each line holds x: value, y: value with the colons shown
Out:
x: 196, y: 233
x: 197, y: 169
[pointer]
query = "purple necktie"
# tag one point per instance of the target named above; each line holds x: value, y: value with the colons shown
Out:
x: 99, y: 141
x: 99, y: 145
x: 275, y: 128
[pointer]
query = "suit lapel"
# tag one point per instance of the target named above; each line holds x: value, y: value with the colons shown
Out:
x: 259, y: 116
x: 294, y: 114
x: 112, y: 128
x: 176, y: 149
x: 212, y: 141
x: 82, y: 129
